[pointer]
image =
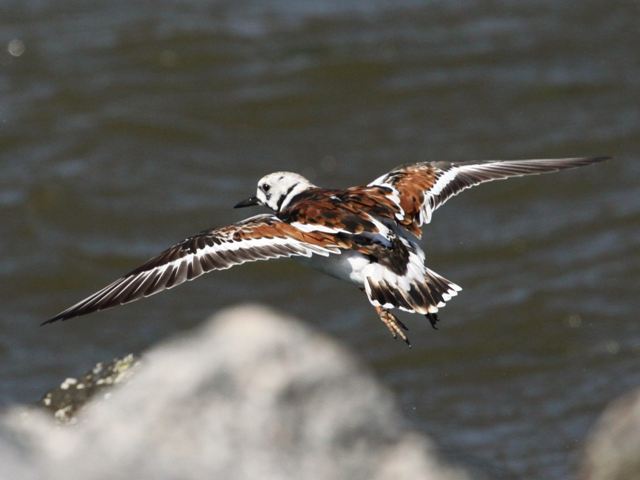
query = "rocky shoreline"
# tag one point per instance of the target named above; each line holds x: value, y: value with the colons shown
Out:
x: 251, y: 394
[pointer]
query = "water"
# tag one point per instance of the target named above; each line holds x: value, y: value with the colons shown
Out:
x: 125, y: 127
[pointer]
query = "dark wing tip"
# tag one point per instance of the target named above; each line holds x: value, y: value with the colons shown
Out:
x: 62, y: 316
x: 65, y: 315
x: 587, y: 160
x: 601, y: 158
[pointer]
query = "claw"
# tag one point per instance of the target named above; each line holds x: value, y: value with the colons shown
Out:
x: 402, y: 325
x: 395, y: 326
x: 433, y: 320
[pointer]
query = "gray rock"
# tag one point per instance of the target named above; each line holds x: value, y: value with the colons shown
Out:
x: 251, y: 395
x: 613, y: 449
x: 72, y: 394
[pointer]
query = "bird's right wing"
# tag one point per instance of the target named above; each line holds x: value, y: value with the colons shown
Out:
x: 261, y: 237
x: 421, y: 188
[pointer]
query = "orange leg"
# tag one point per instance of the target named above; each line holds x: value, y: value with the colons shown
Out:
x: 395, y: 326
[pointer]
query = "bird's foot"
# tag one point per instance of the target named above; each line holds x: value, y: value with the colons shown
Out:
x: 395, y: 326
x: 433, y: 320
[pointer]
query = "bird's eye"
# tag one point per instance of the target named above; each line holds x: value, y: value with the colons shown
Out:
x: 266, y: 187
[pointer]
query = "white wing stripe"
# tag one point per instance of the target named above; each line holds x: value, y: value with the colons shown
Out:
x: 189, y: 259
x: 314, y: 227
x: 246, y: 245
x: 443, y: 181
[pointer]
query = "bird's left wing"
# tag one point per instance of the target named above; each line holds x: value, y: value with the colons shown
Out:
x: 262, y: 237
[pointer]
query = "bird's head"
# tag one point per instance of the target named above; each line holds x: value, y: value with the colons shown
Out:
x: 276, y: 190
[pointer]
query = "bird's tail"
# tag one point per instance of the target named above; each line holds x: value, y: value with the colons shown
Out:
x: 425, y: 296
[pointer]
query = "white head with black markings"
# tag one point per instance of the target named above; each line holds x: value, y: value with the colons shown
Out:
x: 276, y: 190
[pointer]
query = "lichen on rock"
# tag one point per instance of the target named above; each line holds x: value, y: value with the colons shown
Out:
x: 72, y: 394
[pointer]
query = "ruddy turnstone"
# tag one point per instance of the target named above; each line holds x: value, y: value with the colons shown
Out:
x: 367, y: 235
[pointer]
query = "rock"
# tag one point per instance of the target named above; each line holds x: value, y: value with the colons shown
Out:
x: 250, y: 395
x: 65, y: 400
x: 613, y: 449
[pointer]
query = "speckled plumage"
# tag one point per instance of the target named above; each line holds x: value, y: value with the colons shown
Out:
x: 365, y: 234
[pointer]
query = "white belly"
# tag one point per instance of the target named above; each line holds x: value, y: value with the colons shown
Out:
x: 346, y: 266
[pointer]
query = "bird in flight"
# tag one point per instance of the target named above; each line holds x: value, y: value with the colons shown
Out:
x: 367, y: 235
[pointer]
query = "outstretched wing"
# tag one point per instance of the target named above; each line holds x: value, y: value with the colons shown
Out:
x: 423, y: 187
x: 261, y: 237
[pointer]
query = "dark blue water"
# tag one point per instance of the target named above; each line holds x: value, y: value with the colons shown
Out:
x: 125, y: 127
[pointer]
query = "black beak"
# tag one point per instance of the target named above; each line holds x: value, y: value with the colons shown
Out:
x: 249, y: 202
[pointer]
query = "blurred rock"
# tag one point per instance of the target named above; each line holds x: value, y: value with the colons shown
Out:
x: 250, y: 395
x: 613, y: 448
x: 66, y: 400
